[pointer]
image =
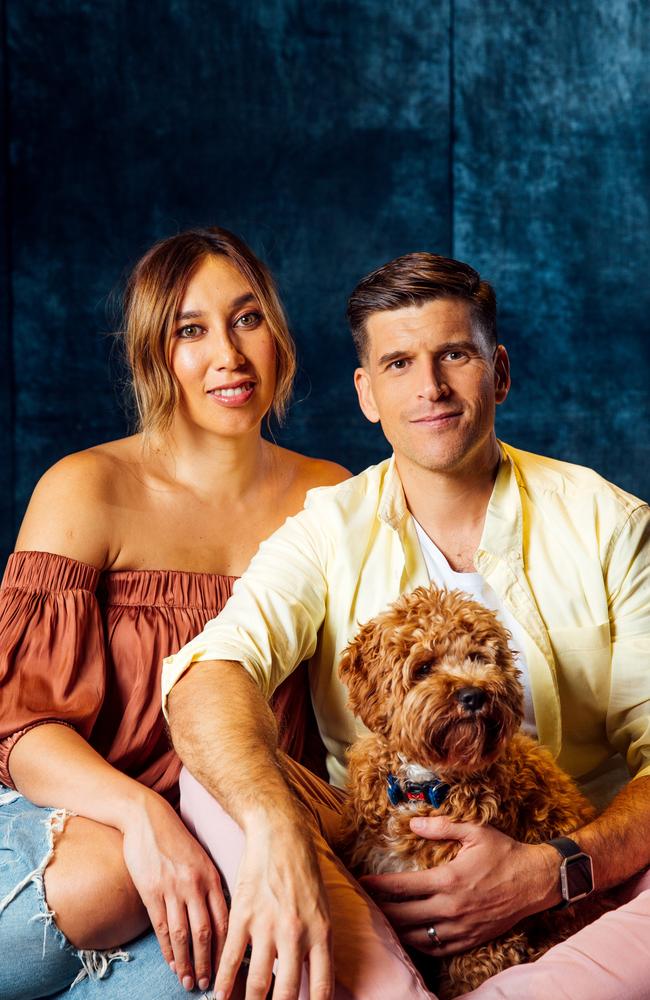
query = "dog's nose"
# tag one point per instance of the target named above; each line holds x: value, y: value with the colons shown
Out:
x: 471, y: 698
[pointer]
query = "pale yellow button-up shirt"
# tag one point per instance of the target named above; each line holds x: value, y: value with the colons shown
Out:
x: 567, y: 552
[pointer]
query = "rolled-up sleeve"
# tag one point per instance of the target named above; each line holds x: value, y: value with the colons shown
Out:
x: 628, y: 582
x: 271, y: 622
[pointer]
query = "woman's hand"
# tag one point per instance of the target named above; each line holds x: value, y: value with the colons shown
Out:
x: 180, y: 887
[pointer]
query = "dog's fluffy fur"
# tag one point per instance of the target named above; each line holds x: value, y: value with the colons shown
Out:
x: 404, y: 671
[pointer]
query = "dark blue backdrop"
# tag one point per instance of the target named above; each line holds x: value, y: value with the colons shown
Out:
x: 333, y: 136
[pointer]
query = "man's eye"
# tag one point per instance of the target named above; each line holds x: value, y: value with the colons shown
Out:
x: 454, y: 356
x: 249, y: 319
x: 399, y: 364
x: 188, y: 332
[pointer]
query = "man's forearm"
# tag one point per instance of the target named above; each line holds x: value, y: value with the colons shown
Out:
x: 617, y: 840
x: 225, y: 734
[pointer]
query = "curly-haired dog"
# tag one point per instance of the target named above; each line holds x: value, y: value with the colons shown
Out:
x: 434, y: 681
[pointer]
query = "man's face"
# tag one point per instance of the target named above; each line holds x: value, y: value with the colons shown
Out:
x: 433, y: 382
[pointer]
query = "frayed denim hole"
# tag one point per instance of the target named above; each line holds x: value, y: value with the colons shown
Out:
x: 94, y: 964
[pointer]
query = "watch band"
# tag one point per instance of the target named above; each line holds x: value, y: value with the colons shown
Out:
x: 565, y: 846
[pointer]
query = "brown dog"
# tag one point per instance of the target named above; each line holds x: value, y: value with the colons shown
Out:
x: 434, y: 681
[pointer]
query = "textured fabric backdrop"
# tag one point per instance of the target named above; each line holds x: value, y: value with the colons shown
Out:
x: 332, y: 136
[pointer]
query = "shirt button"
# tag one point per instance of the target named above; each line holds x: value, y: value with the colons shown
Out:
x: 169, y: 598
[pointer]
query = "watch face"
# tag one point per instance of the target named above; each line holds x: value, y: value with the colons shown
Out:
x: 577, y: 877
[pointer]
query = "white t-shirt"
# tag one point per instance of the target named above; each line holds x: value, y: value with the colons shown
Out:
x: 442, y: 575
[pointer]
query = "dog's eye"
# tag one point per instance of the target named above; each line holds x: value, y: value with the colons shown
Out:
x: 423, y: 670
x: 474, y: 657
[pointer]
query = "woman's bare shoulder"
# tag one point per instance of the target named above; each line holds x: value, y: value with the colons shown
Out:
x: 309, y: 473
x: 321, y: 472
x: 70, y: 511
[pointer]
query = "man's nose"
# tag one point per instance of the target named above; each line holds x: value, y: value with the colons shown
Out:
x: 433, y: 383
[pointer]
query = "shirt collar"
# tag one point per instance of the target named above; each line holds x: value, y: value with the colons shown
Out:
x: 503, y: 528
x: 502, y: 531
x: 392, y: 502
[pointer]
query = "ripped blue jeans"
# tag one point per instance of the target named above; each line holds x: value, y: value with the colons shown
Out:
x: 36, y: 960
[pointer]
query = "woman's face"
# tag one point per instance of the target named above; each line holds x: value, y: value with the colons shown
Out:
x: 222, y: 351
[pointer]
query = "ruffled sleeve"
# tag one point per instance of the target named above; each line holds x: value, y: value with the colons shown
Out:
x: 52, y: 653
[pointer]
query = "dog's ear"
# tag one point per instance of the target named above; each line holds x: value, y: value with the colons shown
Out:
x: 368, y: 684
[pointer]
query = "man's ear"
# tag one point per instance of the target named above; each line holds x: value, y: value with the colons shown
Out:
x: 366, y: 398
x: 501, y: 374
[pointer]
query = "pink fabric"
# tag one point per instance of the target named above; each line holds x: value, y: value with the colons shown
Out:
x: 369, y: 958
x: 609, y: 960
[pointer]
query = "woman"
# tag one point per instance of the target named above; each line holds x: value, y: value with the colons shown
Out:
x: 126, y: 550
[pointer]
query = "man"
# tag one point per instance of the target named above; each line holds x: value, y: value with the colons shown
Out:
x: 561, y: 555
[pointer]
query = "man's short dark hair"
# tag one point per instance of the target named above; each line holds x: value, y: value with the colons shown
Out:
x: 414, y: 279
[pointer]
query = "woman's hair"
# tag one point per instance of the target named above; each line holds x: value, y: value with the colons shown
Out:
x: 152, y: 299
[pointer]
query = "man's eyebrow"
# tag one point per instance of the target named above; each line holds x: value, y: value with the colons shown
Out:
x: 237, y: 303
x: 457, y: 345
x: 386, y: 359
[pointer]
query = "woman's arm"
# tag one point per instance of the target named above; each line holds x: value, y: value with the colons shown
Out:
x: 175, y: 879
x: 132, y: 836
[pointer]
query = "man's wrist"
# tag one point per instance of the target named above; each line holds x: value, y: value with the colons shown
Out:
x: 576, y: 874
x: 278, y: 815
x: 550, y: 892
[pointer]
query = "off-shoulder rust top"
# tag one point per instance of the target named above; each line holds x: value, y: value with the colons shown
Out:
x: 85, y: 648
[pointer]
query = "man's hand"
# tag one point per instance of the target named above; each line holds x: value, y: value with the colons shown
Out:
x: 492, y: 883
x: 280, y: 907
x: 181, y: 889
